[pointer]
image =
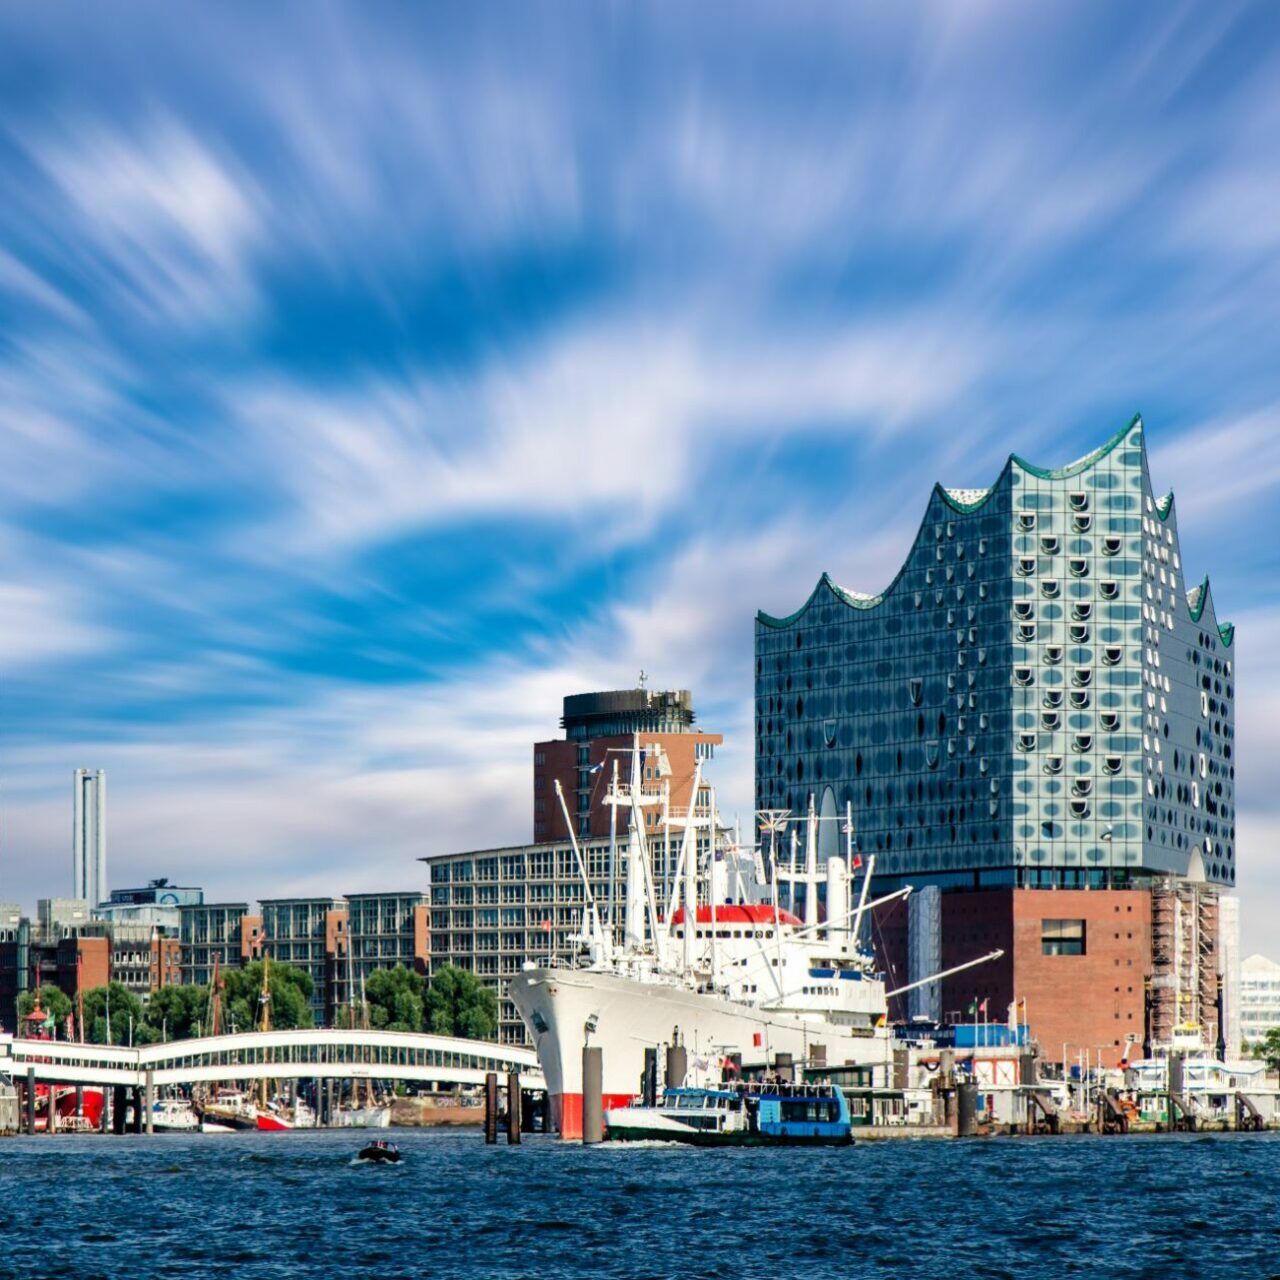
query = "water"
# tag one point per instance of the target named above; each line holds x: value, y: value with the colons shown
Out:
x: 292, y: 1206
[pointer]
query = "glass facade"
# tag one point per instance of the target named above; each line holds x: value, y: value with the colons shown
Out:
x: 1036, y: 699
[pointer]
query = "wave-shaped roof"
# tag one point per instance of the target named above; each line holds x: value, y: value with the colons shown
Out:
x: 965, y: 501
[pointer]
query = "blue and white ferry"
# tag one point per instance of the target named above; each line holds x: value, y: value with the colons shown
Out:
x: 748, y: 1114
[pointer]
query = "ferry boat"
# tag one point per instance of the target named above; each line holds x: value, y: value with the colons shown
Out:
x: 741, y: 1115
x: 746, y: 980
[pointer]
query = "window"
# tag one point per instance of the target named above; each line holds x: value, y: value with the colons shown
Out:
x: 1082, y: 786
x: 1053, y: 764
x: 1108, y: 590
x: 1112, y: 764
x: 1022, y: 676
x: 1079, y: 567
x: 1026, y: 742
x: 1111, y: 655
x: 1026, y: 521
x: 1049, y: 545
x: 1026, y: 566
x: 1080, y: 699
x: 1062, y: 937
x: 1079, y: 808
x: 1110, y: 721
x: 1050, y: 588
x: 1024, y: 610
x: 1026, y: 632
x: 1081, y: 611
x: 1050, y: 720
x: 1079, y: 633
x: 1053, y: 698
x: 1082, y: 524
x: 1078, y: 501
x: 1083, y: 742
x: 1081, y: 677
x: 1111, y: 546
x: 1053, y: 654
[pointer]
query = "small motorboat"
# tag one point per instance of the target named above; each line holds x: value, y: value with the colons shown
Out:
x: 380, y: 1152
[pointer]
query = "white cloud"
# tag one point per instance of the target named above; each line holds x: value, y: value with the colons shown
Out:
x: 173, y: 220
x: 1220, y: 464
x: 625, y: 416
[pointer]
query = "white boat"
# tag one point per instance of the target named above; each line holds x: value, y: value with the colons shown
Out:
x: 748, y: 983
x: 174, y: 1115
x: 373, y: 1117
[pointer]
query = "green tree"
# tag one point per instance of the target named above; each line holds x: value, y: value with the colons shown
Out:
x: 290, y: 997
x: 126, y: 1016
x: 1268, y: 1048
x: 179, y: 1012
x: 459, y: 1004
x: 394, y: 997
x: 53, y: 1000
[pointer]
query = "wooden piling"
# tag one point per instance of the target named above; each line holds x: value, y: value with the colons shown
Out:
x: 31, y: 1099
x: 514, y: 1116
x: 491, y: 1107
x: 149, y: 1097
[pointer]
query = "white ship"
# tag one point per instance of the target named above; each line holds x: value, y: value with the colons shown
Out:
x: 748, y: 983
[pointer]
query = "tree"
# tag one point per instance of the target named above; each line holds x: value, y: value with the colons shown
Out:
x: 1268, y: 1048
x: 290, y: 997
x: 459, y: 1004
x: 394, y: 997
x: 178, y: 1012
x: 125, y: 1016
x: 53, y: 1000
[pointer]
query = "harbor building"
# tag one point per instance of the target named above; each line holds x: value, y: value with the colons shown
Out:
x: 67, y: 947
x: 158, y: 903
x: 89, y: 836
x: 305, y: 932
x: 620, y: 727
x: 493, y: 910
x: 1039, y: 701
x: 1259, y: 998
x: 221, y: 931
x: 382, y: 931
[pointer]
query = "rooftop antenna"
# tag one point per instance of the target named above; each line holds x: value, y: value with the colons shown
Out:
x: 644, y: 676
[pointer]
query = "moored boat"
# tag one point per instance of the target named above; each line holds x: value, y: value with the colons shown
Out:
x: 768, y: 1114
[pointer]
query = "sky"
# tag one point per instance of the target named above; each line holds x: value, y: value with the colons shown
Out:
x: 373, y: 375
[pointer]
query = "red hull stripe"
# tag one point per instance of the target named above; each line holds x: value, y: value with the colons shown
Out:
x: 566, y: 1111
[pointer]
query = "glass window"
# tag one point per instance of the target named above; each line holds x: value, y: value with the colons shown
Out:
x: 1062, y: 937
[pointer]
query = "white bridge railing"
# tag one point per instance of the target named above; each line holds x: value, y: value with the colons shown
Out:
x: 279, y: 1055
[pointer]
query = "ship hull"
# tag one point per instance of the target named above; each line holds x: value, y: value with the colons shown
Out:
x: 627, y: 1016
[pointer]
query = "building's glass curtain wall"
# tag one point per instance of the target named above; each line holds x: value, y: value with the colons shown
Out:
x: 1036, y: 699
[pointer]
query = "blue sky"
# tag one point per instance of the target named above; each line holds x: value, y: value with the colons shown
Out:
x: 373, y: 375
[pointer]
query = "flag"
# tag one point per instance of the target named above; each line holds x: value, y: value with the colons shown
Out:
x: 757, y: 1040
x: 546, y: 926
x: 982, y: 1008
x: 856, y: 863
x: 595, y: 768
x: 973, y: 1008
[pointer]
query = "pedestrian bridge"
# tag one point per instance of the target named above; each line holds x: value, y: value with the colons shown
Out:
x: 271, y: 1055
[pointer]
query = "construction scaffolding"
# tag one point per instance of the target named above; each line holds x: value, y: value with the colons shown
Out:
x: 1184, y: 967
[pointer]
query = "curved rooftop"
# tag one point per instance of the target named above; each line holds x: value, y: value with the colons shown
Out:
x: 966, y: 501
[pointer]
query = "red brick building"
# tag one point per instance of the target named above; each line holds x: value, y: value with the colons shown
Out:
x: 601, y: 729
x: 1081, y: 964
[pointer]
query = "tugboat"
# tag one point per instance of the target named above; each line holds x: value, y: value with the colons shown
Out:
x: 739, y: 1115
x: 380, y: 1152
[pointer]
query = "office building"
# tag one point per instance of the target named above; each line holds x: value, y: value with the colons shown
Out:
x: 383, y: 931
x: 653, y: 731
x: 158, y: 903
x: 1039, y: 700
x: 89, y: 836
x: 1259, y: 998
x: 216, y: 932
